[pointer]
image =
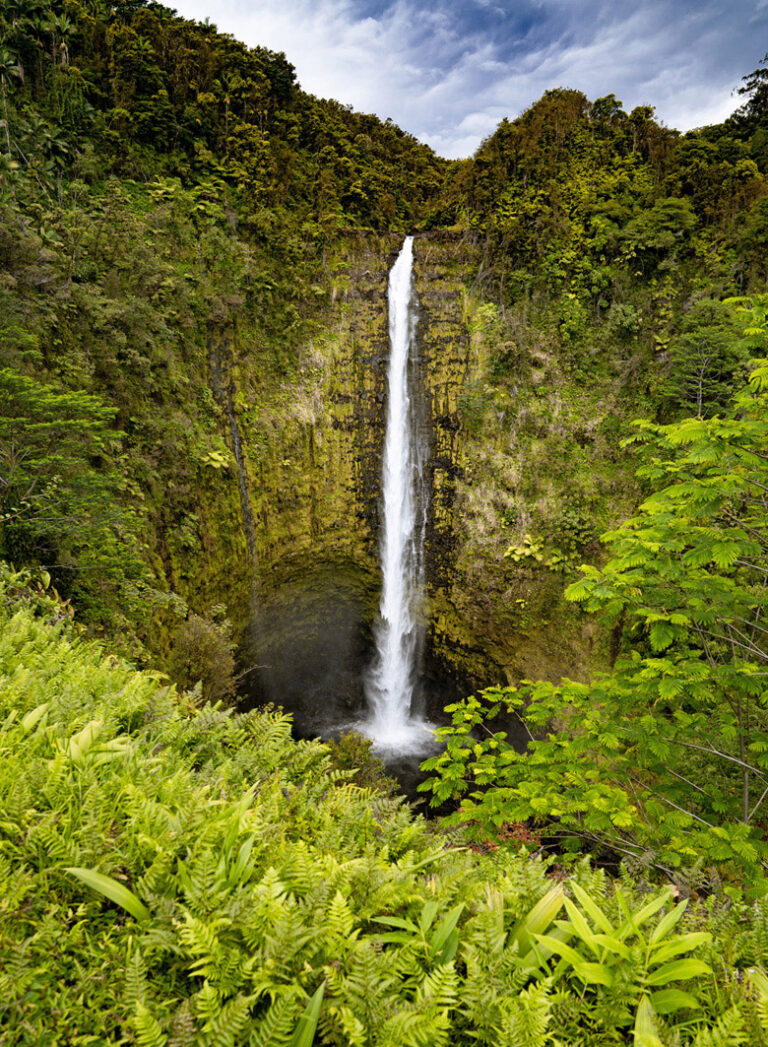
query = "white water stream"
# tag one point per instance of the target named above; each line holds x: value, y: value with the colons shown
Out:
x: 390, y: 688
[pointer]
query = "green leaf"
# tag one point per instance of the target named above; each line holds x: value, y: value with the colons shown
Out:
x: 428, y: 914
x: 304, y: 1036
x: 636, y: 920
x: 595, y: 973
x: 580, y: 925
x: 607, y: 941
x: 113, y: 890
x: 759, y: 982
x: 680, y: 944
x: 34, y: 716
x: 668, y: 922
x: 82, y: 742
x: 662, y: 634
x: 667, y: 1001
x: 592, y: 908
x: 444, y: 929
x: 678, y: 970
x: 561, y: 948
x: 645, y: 1034
x: 396, y: 921
x: 538, y: 919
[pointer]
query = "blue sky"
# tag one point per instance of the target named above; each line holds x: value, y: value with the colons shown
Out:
x: 449, y: 71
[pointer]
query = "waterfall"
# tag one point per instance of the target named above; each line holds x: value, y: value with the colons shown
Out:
x: 393, y: 725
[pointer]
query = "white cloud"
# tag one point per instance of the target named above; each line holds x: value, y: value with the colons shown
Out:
x: 449, y: 79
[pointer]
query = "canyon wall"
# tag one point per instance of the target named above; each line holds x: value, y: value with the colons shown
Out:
x: 306, y: 454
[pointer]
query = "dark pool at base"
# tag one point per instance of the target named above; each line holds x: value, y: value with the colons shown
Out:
x: 314, y: 649
x: 328, y: 706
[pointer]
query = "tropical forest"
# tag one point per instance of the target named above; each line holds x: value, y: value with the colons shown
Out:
x: 383, y: 559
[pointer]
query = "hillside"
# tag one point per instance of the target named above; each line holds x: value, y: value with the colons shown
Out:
x: 175, y: 874
x: 177, y: 243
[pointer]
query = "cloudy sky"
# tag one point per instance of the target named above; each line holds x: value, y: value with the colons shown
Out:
x: 449, y: 70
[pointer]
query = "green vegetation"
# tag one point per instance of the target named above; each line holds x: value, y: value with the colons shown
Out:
x: 192, y: 257
x: 173, y: 209
x: 606, y: 247
x: 662, y: 759
x: 180, y: 874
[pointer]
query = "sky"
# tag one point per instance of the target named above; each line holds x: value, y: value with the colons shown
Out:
x: 447, y: 71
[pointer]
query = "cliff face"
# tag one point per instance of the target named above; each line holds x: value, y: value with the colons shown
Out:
x: 491, y: 619
x: 306, y: 454
x: 312, y: 449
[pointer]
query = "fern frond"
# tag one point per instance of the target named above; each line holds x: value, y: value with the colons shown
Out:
x: 275, y: 1029
x: 526, y: 1017
x: 148, y: 1030
x: 183, y: 1032
x: 440, y: 987
x: 414, y: 1029
x: 135, y: 980
x: 227, y: 1028
x: 207, y: 1003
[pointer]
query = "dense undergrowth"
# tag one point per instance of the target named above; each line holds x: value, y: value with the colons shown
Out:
x: 173, y: 208
x: 175, y: 873
x: 609, y: 243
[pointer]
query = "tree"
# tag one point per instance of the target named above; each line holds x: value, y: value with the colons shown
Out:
x: 665, y: 758
x: 203, y: 651
x: 754, y: 87
x: 9, y: 67
x: 47, y: 439
x: 61, y: 499
x: 704, y: 359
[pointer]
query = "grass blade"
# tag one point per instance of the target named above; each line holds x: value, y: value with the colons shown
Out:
x: 113, y: 890
x: 304, y: 1035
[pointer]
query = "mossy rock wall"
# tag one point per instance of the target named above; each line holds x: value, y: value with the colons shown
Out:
x: 311, y: 449
x: 306, y: 582
x: 490, y: 619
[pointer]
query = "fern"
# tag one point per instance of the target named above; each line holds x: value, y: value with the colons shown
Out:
x: 204, y: 884
x: 201, y: 942
x: 275, y: 1028
x: 183, y: 1029
x: 339, y: 922
x: 256, y: 895
x: 411, y: 1028
x: 207, y: 1004
x: 526, y: 1019
x: 439, y: 987
x: 227, y: 1028
x: 135, y: 980
x: 148, y: 1030
x: 728, y: 1031
x: 340, y: 1024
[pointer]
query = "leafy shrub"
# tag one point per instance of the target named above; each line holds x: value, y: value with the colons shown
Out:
x: 353, y: 753
x: 664, y: 758
x: 472, y: 403
x: 203, y: 651
x: 623, y: 320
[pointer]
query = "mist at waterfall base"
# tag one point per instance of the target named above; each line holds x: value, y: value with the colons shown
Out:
x: 318, y: 665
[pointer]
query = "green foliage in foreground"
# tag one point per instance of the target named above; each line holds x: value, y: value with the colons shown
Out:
x: 173, y: 875
x: 664, y: 759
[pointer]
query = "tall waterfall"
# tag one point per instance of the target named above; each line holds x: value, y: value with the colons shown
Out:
x: 393, y: 724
